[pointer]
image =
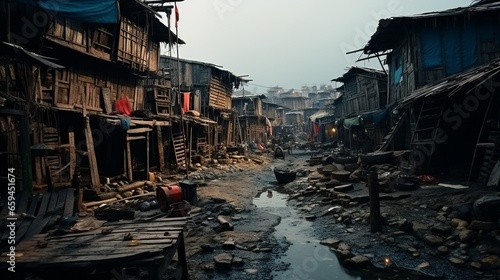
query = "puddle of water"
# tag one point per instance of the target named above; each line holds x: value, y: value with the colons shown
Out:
x: 307, y: 258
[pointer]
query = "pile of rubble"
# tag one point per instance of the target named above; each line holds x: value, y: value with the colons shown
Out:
x: 425, y: 228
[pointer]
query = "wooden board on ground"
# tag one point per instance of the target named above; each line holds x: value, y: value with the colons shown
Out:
x: 150, y: 243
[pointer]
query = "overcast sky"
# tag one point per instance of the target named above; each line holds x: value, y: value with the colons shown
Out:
x: 289, y: 43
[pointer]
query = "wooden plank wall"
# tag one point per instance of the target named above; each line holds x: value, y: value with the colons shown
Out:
x: 73, y: 86
x: 220, y: 94
x: 407, y: 85
x: 133, y: 45
x: 93, y: 39
x: 135, y: 48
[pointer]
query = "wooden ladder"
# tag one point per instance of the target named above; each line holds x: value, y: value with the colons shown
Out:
x: 163, y: 103
x: 50, y: 137
x: 178, y: 141
x: 429, y: 118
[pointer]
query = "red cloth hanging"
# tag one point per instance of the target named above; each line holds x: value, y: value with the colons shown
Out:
x: 316, y: 129
x: 185, y: 101
x: 122, y: 106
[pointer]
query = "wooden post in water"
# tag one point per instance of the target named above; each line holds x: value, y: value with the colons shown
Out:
x: 372, y: 182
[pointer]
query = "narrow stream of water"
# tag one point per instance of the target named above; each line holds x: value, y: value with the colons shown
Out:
x: 307, y: 258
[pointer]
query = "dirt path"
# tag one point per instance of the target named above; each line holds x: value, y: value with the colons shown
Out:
x: 250, y: 244
x: 419, y: 234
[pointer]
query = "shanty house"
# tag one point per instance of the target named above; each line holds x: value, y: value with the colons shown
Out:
x: 364, y: 95
x: 205, y: 93
x: 443, y: 73
x: 82, y: 102
x: 255, y: 126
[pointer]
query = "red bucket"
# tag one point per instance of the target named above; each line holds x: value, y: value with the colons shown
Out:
x: 168, y: 195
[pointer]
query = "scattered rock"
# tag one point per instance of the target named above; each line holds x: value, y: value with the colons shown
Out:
x: 238, y: 261
x: 310, y: 217
x: 423, y: 265
x: 229, y: 245
x: 441, y: 229
x: 476, y: 265
x: 344, y: 247
x: 251, y: 270
x: 443, y: 249
x: 466, y: 235
x: 403, y: 225
x: 441, y: 218
x: 343, y: 254
x: 458, y: 223
x: 357, y: 261
x: 456, y: 261
x: 434, y: 240
x: 223, y: 260
x: 491, y: 261
x: 330, y: 242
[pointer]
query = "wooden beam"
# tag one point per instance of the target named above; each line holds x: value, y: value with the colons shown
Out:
x: 161, y: 156
x: 25, y: 151
x: 38, y: 160
x: 94, y: 172
x: 147, y: 155
x: 72, y: 152
x: 138, y: 130
x: 129, y: 162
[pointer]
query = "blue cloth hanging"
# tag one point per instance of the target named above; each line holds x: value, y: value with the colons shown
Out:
x: 125, y: 123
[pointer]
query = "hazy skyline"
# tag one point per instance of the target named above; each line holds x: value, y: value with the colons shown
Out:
x: 287, y: 42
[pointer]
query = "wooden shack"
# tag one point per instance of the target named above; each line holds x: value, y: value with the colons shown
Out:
x: 442, y: 73
x: 89, y: 108
x: 205, y: 98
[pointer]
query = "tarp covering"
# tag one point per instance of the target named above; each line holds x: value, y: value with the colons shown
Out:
x: 101, y: 11
x: 457, y: 43
x: 376, y: 117
x: 348, y: 123
x: 431, y: 48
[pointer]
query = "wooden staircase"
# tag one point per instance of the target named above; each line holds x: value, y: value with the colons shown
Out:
x: 178, y: 141
x: 390, y: 135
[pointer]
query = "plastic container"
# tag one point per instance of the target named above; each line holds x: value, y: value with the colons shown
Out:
x: 189, y: 191
x: 168, y: 195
